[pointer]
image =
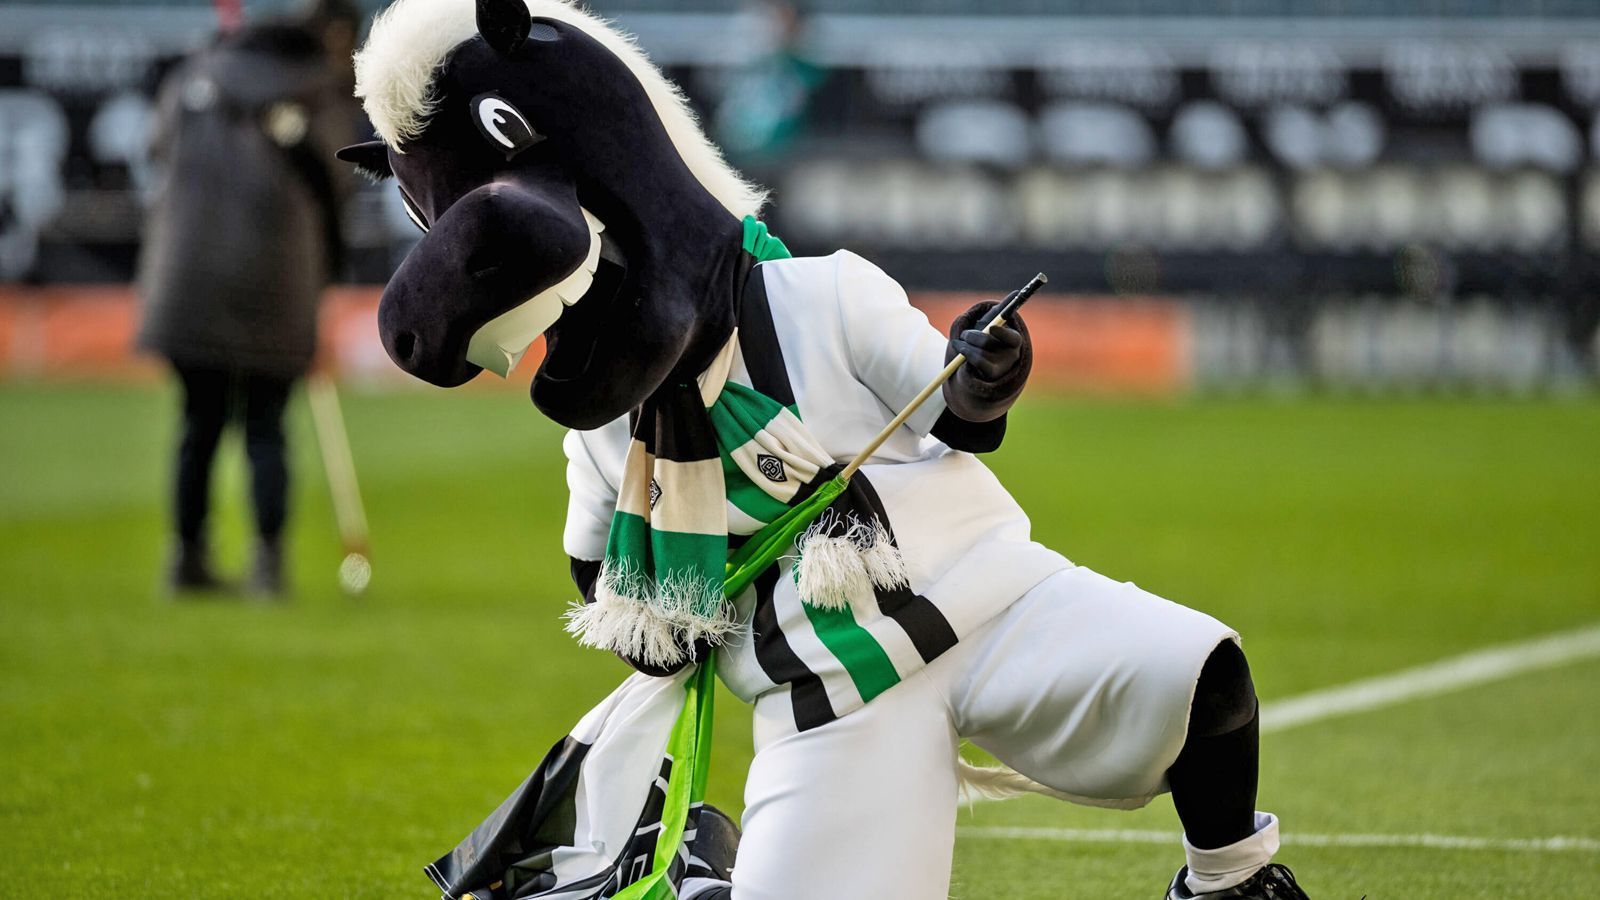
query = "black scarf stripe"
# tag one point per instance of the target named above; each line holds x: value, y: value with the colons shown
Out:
x: 823, y: 476
x: 683, y: 433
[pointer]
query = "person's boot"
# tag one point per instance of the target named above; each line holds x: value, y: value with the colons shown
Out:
x: 1273, y: 882
x: 709, y: 875
x: 189, y: 571
x: 266, y: 579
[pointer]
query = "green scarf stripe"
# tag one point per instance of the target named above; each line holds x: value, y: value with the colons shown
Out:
x: 670, y: 551
x: 747, y: 496
x: 758, y: 243
x: 855, y: 648
x: 739, y: 414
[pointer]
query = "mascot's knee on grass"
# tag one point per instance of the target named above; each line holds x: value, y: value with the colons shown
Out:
x: 714, y: 386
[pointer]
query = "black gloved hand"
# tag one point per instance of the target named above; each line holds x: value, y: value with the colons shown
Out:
x: 997, y: 364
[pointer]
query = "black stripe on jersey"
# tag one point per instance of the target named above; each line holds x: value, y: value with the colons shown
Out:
x: 758, y: 342
x: 763, y: 359
x: 929, y: 630
x: 778, y: 660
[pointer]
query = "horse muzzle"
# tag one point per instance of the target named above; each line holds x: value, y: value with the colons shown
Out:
x: 496, y: 269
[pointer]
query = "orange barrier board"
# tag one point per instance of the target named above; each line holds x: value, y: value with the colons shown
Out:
x: 1121, y: 344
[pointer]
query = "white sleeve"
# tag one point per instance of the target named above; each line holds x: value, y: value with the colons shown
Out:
x: 590, y: 503
x: 893, y: 348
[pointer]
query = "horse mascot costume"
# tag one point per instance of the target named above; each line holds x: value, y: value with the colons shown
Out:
x: 712, y: 386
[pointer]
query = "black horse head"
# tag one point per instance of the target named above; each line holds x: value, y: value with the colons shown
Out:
x: 564, y: 188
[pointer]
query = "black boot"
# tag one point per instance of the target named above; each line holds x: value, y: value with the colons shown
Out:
x: 189, y: 571
x: 266, y: 579
x: 711, y: 852
x: 1273, y: 882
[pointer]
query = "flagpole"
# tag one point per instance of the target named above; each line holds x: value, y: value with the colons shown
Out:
x: 1007, y: 309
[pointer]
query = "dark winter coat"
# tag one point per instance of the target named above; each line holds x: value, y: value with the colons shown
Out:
x: 243, y: 233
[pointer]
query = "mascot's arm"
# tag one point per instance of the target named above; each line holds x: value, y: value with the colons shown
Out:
x: 895, y: 353
x: 892, y: 349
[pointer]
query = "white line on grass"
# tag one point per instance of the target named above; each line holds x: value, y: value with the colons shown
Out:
x: 1430, y: 841
x: 1452, y: 674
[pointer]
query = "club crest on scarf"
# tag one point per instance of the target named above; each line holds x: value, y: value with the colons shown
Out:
x: 772, y: 467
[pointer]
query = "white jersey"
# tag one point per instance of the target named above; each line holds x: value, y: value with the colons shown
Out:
x: 855, y: 352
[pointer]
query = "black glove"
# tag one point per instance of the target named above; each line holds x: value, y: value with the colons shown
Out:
x: 997, y: 364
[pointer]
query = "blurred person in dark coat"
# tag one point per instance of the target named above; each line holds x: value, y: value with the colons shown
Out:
x: 241, y: 239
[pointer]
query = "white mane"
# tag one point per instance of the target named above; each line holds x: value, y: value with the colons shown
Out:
x: 409, y: 41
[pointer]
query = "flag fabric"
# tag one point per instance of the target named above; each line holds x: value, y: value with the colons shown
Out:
x: 610, y: 812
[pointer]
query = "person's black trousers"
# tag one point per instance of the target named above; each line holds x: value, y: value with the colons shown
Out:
x: 211, y: 399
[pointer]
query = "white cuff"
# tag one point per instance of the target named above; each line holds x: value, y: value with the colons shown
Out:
x: 1217, y: 870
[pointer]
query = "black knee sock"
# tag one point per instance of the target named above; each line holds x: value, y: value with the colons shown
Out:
x: 1214, y: 778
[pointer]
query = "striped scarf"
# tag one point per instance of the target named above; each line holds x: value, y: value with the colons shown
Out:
x: 708, y: 460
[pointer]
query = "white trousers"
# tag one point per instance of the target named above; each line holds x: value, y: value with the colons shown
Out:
x: 1084, y: 685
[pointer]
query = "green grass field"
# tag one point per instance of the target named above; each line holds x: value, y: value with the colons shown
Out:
x: 331, y: 748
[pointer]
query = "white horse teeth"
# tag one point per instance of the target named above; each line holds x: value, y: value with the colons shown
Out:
x: 591, y: 263
x: 573, y: 289
x: 502, y: 341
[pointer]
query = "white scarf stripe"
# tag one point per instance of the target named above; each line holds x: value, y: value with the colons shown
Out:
x: 781, y: 483
x: 715, y: 377
x: 680, y: 506
x: 635, y: 471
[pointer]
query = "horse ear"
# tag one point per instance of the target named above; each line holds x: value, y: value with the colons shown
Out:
x: 504, y: 24
x: 370, y: 159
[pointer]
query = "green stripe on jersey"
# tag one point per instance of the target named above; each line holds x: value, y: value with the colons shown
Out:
x: 855, y: 648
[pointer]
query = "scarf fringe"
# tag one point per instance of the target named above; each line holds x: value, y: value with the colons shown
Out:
x: 657, y: 624
x: 885, y: 566
x: 845, y: 558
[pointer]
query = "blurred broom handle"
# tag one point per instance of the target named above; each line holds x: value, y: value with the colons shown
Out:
x: 337, y: 462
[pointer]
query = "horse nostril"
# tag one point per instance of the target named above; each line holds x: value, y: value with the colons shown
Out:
x: 405, y: 343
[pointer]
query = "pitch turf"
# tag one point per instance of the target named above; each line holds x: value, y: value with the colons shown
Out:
x: 330, y: 748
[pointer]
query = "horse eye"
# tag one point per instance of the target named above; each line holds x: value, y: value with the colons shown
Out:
x: 503, y: 125
x: 413, y: 213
